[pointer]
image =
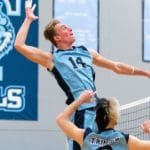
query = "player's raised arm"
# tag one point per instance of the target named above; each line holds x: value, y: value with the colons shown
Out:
x: 117, y: 67
x: 63, y: 119
x: 32, y: 53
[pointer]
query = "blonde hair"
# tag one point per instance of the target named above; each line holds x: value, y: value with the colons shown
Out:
x: 114, y: 110
x: 107, y: 112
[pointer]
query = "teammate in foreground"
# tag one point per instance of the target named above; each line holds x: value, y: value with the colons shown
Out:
x: 106, y: 138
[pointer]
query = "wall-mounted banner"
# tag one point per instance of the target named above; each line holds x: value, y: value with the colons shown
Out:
x: 83, y: 17
x: 146, y: 30
x: 18, y: 76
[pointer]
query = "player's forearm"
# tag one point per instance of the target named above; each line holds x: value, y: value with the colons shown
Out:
x: 63, y: 120
x: 141, y: 72
x: 70, y: 109
x: 22, y: 34
x: 122, y: 68
x: 64, y: 117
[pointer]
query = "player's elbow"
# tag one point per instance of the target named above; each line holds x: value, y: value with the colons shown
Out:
x: 117, y: 68
x: 59, y: 119
x: 18, y: 45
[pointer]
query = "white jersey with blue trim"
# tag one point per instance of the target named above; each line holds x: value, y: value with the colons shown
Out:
x: 108, y: 139
x: 74, y: 73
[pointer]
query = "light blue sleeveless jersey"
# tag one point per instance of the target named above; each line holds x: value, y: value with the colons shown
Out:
x: 74, y: 73
x: 108, y: 139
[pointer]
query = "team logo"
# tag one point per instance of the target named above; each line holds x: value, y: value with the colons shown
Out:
x: 12, y: 98
x: 7, y: 34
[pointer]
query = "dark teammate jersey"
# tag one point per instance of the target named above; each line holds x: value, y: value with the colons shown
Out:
x: 74, y: 73
x: 108, y: 139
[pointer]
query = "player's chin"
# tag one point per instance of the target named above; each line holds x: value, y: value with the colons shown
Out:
x: 73, y: 40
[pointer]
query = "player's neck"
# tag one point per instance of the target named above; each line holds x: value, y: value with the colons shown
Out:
x: 110, y: 125
x: 64, y: 46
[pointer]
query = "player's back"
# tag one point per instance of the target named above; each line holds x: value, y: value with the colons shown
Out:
x: 108, y: 139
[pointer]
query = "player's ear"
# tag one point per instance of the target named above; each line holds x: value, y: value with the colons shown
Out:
x: 57, y: 38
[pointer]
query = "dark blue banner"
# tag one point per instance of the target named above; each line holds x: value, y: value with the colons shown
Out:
x: 18, y: 76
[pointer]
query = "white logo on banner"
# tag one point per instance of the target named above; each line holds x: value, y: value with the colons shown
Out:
x: 12, y: 97
x: 10, y: 11
x: 7, y: 35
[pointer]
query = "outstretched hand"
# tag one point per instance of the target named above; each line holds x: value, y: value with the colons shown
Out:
x: 146, y: 127
x: 86, y: 96
x: 30, y: 10
x: 148, y: 74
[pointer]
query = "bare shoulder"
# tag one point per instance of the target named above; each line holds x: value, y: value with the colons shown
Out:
x: 97, y: 58
x: 92, y: 52
x: 49, y: 54
x: 49, y: 60
x: 42, y: 57
x: 135, y: 143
